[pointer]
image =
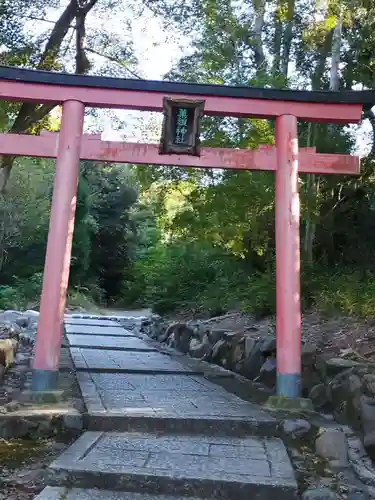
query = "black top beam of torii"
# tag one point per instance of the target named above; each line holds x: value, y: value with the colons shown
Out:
x: 363, y: 97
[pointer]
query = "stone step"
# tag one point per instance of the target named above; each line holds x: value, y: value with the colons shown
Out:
x: 181, y: 403
x: 112, y: 331
x: 111, y: 361
x: 197, y: 466
x: 105, y: 342
x: 216, y: 426
x: 103, y: 322
x: 53, y: 493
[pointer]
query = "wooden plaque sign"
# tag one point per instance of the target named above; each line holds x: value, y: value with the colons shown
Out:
x: 181, y: 124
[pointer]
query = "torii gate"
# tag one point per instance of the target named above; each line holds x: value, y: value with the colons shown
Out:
x: 75, y: 92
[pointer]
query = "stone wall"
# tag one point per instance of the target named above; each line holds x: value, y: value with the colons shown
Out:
x: 341, y: 385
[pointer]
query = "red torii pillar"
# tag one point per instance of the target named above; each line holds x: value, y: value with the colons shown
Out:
x: 288, y: 300
x: 59, y: 247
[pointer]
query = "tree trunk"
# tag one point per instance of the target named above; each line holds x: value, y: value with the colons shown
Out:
x: 29, y: 113
x: 334, y: 80
x: 333, y: 42
x: 287, y: 38
x: 277, y: 44
x: 260, y: 9
x: 312, y: 193
x: 312, y: 181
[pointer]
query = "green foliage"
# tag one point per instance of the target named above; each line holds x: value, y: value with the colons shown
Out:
x: 101, y: 245
x: 346, y: 292
x: 81, y: 248
x: 199, y: 239
x: 112, y: 243
x: 227, y: 218
x: 22, y: 294
x: 10, y: 297
x: 82, y: 297
x: 183, y: 275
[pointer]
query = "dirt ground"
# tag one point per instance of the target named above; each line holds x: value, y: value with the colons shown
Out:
x: 21, y: 465
x: 331, y: 334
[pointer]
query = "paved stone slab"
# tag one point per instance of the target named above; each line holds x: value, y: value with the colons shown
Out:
x: 203, y: 466
x: 55, y: 493
x: 125, y: 361
x: 111, y: 331
x: 90, y: 322
x: 175, y: 402
x: 99, y: 341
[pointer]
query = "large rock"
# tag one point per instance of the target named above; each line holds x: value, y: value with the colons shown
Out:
x: 332, y: 445
x: 258, y: 355
x: 319, y: 395
x: 334, y: 366
x: 171, y: 341
x: 238, y: 354
x: 295, y: 428
x: 267, y: 345
x: 200, y: 330
x: 368, y: 384
x: 308, y: 354
x: 310, y: 375
x: 249, y: 345
x: 9, y: 330
x: 10, y: 316
x: 320, y: 493
x: 219, y: 350
x: 181, y: 334
x: 344, y: 392
x: 216, y: 334
x: 155, y: 329
x: 8, y: 348
x: 367, y: 415
x: 14, y: 323
x: 267, y: 374
x: 22, y: 321
x: 200, y: 350
x: 234, y: 337
x: 30, y: 313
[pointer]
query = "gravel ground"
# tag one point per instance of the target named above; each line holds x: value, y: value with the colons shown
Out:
x: 22, y: 463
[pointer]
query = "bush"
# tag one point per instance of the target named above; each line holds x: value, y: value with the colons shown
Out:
x: 31, y: 288
x: 199, y: 277
x: 80, y: 297
x: 21, y: 293
x: 346, y: 292
x: 10, y: 297
x: 182, y: 275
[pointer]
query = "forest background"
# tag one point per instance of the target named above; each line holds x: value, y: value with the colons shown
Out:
x: 201, y: 241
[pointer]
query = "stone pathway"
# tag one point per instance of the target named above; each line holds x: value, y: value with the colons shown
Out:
x: 157, y: 427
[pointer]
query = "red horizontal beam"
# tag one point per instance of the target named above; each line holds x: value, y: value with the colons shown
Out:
x: 263, y: 158
x: 153, y: 101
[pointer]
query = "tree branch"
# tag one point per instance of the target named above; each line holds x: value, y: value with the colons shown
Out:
x: 30, y: 113
x: 85, y: 6
x: 57, y: 36
x: 42, y: 19
x: 115, y: 60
